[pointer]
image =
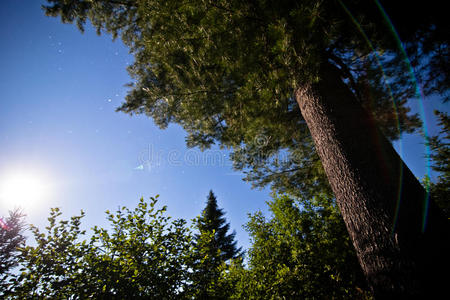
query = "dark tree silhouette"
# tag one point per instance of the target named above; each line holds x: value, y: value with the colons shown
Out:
x: 214, y: 246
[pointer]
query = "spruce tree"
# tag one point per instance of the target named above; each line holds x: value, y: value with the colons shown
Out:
x: 213, y: 247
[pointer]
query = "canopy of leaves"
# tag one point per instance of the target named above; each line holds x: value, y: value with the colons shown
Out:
x: 54, y: 267
x: 302, y: 252
x: 145, y: 254
x: 226, y: 70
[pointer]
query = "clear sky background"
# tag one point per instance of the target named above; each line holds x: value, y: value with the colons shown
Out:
x: 58, y: 93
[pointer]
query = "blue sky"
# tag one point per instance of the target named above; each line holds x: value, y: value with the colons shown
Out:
x: 58, y: 93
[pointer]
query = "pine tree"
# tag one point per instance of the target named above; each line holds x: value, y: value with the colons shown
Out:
x: 213, y: 247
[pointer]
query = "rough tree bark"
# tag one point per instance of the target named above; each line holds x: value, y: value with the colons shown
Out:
x: 382, y: 203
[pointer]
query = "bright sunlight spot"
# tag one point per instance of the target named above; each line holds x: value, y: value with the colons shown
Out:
x: 22, y: 189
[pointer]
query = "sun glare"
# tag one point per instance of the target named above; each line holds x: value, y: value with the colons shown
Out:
x: 22, y: 189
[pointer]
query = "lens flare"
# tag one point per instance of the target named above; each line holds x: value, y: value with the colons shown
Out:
x: 419, y: 97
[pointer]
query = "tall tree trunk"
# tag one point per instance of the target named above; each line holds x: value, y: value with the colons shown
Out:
x: 400, y: 240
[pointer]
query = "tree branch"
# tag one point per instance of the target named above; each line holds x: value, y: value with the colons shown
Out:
x: 346, y: 71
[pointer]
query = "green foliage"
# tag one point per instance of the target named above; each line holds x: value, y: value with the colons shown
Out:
x: 302, y: 252
x: 214, y: 248
x: 144, y: 254
x: 11, y: 239
x: 440, y: 154
x: 53, y: 268
x: 226, y: 71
